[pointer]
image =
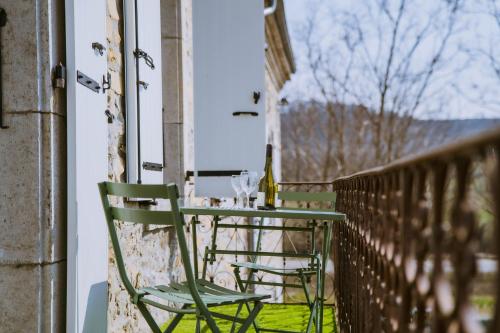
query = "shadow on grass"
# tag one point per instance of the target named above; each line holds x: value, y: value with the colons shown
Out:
x: 292, y: 317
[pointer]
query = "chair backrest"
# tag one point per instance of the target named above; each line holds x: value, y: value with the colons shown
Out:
x: 144, y: 216
x: 308, y: 197
x: 311, y: 201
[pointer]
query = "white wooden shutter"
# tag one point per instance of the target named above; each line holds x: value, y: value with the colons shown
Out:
x: 87, y: 128
x: 144, y: 84
x: 229, y: 126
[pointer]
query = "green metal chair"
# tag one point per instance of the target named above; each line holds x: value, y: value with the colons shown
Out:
x: 195, y: 296
x: 303, y: 274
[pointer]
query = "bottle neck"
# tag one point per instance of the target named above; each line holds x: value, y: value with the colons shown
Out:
x: 268, y: 168
x: 269, y: 163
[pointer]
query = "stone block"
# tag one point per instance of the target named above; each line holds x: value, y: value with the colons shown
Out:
x: 26, y: 56
x: 19, y: 56
x: 32, y: 213
x: 170, y: 19
x: 173, y: 148
x: 172, y: 80
x: 33, y: 298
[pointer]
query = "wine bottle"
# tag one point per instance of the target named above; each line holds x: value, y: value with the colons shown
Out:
x: 267, y: 186
x: 261, y: 193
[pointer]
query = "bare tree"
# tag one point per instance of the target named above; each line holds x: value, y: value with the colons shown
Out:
x: 485, y: 55
x: 493, y: 57
x: 374, y: 68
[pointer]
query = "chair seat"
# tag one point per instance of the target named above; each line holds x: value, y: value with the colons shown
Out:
x: 288, y: 271
x: 211, y: 294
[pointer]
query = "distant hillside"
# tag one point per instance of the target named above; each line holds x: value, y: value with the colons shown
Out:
x: 311, y: 150
x: 438, y: 131
x: 453, y: 129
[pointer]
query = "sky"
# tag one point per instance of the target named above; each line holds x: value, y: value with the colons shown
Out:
x: 469, y: 88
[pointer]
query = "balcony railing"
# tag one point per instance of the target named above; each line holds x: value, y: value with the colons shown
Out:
x: 418, y: 251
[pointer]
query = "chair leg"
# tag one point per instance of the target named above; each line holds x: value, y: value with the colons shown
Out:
x: 211, y: 324
x: 305, y: 289
x: 251, y: 317
x: 148, y: 317
x: 243, y: 288
x: 233, y: 326
x: 173, y: 324
x: 312, y: 318
x: 318, y: 295
x: 310, y: 303
x: 198, y: 325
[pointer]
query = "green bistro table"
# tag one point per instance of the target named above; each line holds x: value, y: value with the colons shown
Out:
x: 326, y: 216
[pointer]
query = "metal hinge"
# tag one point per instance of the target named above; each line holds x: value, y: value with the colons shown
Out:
x: 87, y: 82
x: 211, y: 173
x: 109, y: 115
x: 59, y: 80
x: 144, y: 84
x: 98, y: 47
x: 152, y: 166
x: 147, y: 58
x: 106, y: 82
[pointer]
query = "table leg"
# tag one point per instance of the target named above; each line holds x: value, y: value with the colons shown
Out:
x: 194, y: 222
x: 327, y: 235
x: 214, y: 238
x: 317, y: 302
x: 259, y: 239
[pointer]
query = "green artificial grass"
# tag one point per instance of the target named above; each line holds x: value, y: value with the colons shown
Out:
x: 292, y: 317
x: 484, y: 302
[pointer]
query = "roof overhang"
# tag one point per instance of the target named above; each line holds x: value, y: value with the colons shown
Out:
x: 278, y: 41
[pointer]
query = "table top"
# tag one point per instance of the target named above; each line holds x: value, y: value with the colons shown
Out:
x: 282, y: 213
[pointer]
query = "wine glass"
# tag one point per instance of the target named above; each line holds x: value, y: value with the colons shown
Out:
x: 249, y: 180
x: 243, y: 182
x: 236, y: 183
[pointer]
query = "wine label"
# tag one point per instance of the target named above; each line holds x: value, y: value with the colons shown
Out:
x: 261, y: 199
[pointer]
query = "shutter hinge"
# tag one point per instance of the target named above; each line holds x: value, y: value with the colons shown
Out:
x: 59, y: 79
x: 152, y: 166
x: 98, y: 48
x: 144, y: 84
x: 109, y: 115
x: 87, y: 81
x: 147, y: 58
x: 106, y: 82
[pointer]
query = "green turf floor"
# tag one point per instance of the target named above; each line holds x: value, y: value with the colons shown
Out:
x: 278, y: 316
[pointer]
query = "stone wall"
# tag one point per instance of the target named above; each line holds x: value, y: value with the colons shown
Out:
x: 150, y: 256
x: 32, y: 170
